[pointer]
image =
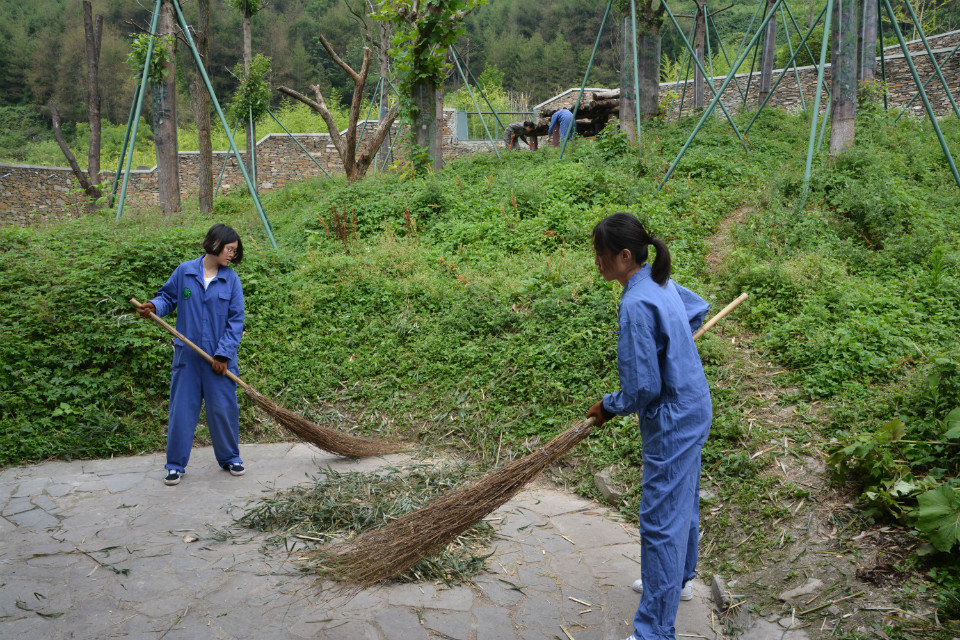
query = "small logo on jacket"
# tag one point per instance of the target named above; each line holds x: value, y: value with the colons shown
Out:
x: 186, y: 293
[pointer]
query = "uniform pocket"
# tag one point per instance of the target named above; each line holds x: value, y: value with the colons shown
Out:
x: 222, y: 304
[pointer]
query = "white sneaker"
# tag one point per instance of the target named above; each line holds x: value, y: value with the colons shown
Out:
x: 686, y: 593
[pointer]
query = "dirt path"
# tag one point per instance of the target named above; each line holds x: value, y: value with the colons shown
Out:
x: 814, y: 565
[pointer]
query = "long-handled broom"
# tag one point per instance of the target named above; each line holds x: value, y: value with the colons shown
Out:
x: 323, y: 437
x: 381, y: 554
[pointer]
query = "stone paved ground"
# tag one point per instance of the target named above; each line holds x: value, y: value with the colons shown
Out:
x: 99, y: 549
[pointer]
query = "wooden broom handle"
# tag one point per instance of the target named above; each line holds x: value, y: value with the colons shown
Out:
x: 727, y: 309
x: 206, y: 356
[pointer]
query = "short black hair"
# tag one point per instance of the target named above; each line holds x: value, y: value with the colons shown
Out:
x: 528, y: 125
x: 220, y: 235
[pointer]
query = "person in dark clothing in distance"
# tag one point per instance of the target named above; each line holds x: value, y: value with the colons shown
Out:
x: 514, y: 133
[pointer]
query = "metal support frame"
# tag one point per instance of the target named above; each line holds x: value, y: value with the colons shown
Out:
x: 225, y: 161
x: 793, y: 58
x: 141, y: 91
x: 932, y: 76
x: 466, y: 83
x: 933, y: 59
x: 302, y: 148
x: 799, y: 31
x: 693, y: 56
x: 815, y: 109
x: 223, y: 120
x: 784, y: 71
x: 253, y: 149
x: 718, y: 94
x: 723, y: 50
x: 586, y: 76
x: 685, y: 71
x: 923, y: 93
x: 123, y: 149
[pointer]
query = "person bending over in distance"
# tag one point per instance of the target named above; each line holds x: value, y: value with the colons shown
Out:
x: 662, y: 381
x: 562, y: 126
x: 208, y: 298
x: 514, y: 133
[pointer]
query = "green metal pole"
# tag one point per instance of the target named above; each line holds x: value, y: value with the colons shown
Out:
x: 253, y: 152
x: 933, y: 60
x: 753, y: 64
x: 783, y: 73
x: 123, y: 149
x: 387, y: 157
x: 136, y: 116
x: 466, y: 83
x: 694, y: 58
x: 216, y: 103
x: 763, y: 4
x: 932, y: 76
x: 363, y: 129
x: 573, y: 125
x: 883, y: 56
x: 793, y: 58
x: 302, y: 148
x: 479, y: 88
x: 716, y: 98
x: 685, y: 71
x: 815, y: 109
x: 805, y: 46
x: 823, y: 127
x: 723, y: 50
x: 636, y: 74
x: 225, y: 161
x: 923, y: 93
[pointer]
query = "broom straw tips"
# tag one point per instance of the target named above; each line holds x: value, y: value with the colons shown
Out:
x: 321, y: 437
x: 379, y: 555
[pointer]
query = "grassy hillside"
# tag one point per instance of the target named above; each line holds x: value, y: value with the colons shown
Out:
x: 464, y: 310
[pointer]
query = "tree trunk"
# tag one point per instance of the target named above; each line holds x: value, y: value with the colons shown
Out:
x: 628, y: 114
x: 93, y: 33
x: 843, y: 72
x: 698, y: 47
x: 868, y: 42
x: 383, y: 56
x: 164, y: 102
x: 201, y: 112
x: 769, y: 54
x: 251, y: 127
x: 90, y: 189
x: 649, y: 76
x: 425, y: 121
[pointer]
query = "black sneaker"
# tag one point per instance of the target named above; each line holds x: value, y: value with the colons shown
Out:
x: 173, y: 477
x: 235, y: 469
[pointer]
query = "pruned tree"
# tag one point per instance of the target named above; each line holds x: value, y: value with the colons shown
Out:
x: 843, y: 76
x: 769, y: 54
x: 426, y: 29
x: 355, y: 164
x: 164, y: 109
x: 93, y: 35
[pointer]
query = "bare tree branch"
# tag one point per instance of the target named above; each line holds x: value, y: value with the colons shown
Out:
x: 326, y: 45
x: 90, y: 189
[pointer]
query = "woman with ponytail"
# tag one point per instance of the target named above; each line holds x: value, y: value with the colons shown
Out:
x: 661, y: 380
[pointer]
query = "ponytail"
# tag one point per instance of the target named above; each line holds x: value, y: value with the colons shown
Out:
x: 621, y: 231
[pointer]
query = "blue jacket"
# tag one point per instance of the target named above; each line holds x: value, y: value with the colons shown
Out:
x: 656, y: 357
x: 211, y: 318
x: 563, y: 117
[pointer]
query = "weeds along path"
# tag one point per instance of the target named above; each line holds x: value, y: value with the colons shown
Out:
x: 787, y: 542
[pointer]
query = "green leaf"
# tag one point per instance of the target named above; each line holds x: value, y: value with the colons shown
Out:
x: 894, y: 429
x: 938, y: 516
x: 953, y: 424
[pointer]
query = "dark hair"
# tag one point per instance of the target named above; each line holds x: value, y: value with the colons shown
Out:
x: 621, y: 231
x: 528, y: 125
x: 220, y: 235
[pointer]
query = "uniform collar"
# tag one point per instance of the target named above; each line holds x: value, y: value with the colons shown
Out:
x: 195, y: 267
x: 642, y: 274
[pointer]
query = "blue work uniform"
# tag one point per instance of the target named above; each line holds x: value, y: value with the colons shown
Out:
x: 563, y: 118
x: 662, y: 380
x: 212, y: 318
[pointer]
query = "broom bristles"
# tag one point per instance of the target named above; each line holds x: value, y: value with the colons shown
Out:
x: 323, y: 437
x: 382, y: 554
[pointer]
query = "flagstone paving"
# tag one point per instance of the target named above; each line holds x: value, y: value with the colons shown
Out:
x: 103, y: 549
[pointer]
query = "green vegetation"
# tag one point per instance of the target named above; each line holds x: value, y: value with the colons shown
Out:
x: 464, y: 309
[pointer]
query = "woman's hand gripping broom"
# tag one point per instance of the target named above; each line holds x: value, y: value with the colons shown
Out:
x: 323, y: 437
x: 382, y: 554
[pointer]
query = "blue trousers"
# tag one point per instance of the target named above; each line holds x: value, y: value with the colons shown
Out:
x: 673, y: 437
x: 192, y: 383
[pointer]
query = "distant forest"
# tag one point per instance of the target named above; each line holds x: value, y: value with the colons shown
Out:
x: 540, y: 46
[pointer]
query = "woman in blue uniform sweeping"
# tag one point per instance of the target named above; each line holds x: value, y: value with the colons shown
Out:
x: 661, y: 380
x: 208, y: 298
